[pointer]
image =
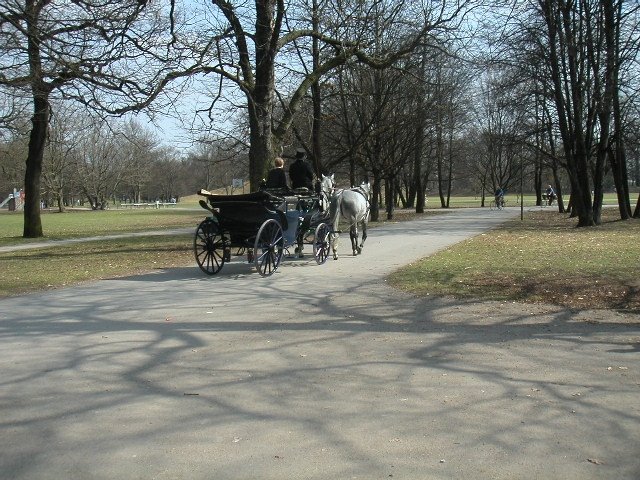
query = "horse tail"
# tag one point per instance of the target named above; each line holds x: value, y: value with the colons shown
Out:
x: 334, y: 210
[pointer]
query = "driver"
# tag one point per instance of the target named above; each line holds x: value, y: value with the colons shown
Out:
x: 300, y: 172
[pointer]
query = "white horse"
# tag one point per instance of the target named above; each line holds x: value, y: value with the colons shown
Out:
x: 318, y: 213
x: 353, y: 206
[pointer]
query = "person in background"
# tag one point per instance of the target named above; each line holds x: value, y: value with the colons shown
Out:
x: 551, y: 194
x: 499, y: 197
x: 276, y: 177
x: 300, y: 172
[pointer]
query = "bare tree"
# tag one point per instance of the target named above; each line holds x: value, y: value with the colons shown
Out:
x: 86, y: 50
x: 138, y: 148
x: 167, y: 176
x: 59, y: 160
x: 100, y: 167
x: 583, y: 57
x: 254, y: 45
x: 216, y: 162
x: 500, y: 125
x: 12, y: 148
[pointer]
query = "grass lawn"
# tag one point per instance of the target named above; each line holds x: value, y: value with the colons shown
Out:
x: 543, y: 259
x: 83, y: 223
x: 48, y: 268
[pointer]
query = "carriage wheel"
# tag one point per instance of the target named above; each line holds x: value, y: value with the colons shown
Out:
x: 269, y: 247
x: 321, y: 243
x: 208, y: 246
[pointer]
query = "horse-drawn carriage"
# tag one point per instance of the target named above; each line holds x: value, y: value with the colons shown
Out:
x: 262, y: 226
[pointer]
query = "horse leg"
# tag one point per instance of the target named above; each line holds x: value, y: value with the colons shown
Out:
x: 353, y: 233
x: 364, y: 235
x: 300, y: 241
x: 334, y: 244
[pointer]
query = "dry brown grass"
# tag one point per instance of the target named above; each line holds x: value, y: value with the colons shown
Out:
x: 543, y: 259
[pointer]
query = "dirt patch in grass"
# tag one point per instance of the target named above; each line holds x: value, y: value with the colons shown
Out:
x: 609, y: 294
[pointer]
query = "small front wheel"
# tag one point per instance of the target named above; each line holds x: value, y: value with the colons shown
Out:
x: 268, y: 248
x: 208, y: 247
x: 321, y: 243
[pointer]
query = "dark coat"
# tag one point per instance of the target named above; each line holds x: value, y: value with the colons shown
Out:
x: 276, y: 178
x: 301, y: 174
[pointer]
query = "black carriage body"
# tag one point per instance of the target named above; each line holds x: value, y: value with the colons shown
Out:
x: 240, y: 216
x: 260, y: 224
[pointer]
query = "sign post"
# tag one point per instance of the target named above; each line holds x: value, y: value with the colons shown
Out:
x: 238, y: 183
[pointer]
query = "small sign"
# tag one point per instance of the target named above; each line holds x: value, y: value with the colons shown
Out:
x: 237, y: 183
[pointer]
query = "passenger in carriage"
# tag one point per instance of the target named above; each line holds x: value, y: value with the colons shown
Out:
x: 276, y: 177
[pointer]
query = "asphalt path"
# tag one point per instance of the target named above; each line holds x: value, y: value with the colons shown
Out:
x: 316, y: 372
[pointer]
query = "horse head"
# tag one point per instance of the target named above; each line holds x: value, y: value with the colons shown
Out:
x: 327, y: 184
x: 327, y: 187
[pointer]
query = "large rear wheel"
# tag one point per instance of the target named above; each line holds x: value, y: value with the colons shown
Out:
x: 208, y: 246
x: 321, y: 243
x: 268, y: 248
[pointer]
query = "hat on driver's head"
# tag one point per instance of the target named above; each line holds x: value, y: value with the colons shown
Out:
x: 300, y: 152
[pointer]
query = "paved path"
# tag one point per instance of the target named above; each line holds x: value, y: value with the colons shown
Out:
x: 317, y: 372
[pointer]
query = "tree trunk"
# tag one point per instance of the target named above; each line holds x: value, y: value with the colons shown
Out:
x: 598, y: 190
x: 617, y: 157
x: 421, y: 120
x: 400, y: 196
x: 316, y: 126
x: 390, y: 197
x: 537, y: 182
x: 261, y: 148
x: 558, y: 184
x: 32, y: 227
x: 37, y: 139
x: 440, y: 155
x: 618, y: 163
x: 375, y: 197
x: 450, y: 173
x: 570, y: 120
x: 60, y: 200
x: 260, y: 98
x: 420, y: 194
